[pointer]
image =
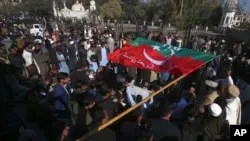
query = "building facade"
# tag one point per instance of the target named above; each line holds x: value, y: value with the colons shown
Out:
x: 77, y: 10
x: 231, y: 16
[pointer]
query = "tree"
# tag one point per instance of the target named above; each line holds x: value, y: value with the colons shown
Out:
x: 245, y: 25
x: 41, y: 8
x: 111, y: 9
x: 214, y: 17
x: 7, y: 7
x: 166, y: 9
x: 156, y: 10
x: 212, y: 13
x: 140, y: 11
x: 194, y: 12
x: 132, y: 10
x: 183, y: 13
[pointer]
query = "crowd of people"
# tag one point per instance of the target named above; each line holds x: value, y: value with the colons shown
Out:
x: 62, y: 86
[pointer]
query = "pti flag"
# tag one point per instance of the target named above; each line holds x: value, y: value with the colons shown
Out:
x: 114, y: 55
x: 151, y: 55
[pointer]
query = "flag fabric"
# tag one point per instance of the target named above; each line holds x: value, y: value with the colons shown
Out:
x: 155, y: 56
x: 143, y: 57
x: 113, y: 56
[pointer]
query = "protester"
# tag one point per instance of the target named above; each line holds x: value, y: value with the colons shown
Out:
x: 233, y: 108
x: 30, y: 62
x: 41, y: 57
x: 100, y: 117
x: 215, y: 128
x: 163, y: 128
x: 63, y: 66
x: 102, y: 54
x: 61, y: 96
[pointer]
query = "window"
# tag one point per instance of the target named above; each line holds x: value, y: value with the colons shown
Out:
x: 36, y: 26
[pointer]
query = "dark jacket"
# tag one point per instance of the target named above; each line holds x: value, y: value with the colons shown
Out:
x: 72, y: 56
x: 106, y: 134
x: 163, y: 129
x: 53, y: 58
x: 191, y: 130
x: 78, y: 75
x: 99, y: 53
x: 17, y: 61
x: 82, y: 54
x: 109, y: 106
x: 61, y: 97
x: 215, y: 129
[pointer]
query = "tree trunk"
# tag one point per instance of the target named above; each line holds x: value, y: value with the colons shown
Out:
x: 6, y: 7
x: 187, y: 34
x: 182, y: 4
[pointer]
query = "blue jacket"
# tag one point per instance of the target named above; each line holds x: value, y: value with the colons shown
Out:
x: 61, y: 97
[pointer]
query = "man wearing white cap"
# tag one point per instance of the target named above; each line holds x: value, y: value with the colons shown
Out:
x: 215, y: 127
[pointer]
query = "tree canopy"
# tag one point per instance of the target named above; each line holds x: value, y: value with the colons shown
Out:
x: 111, y: 9
x: 177, y: 12
x: 41, y: 8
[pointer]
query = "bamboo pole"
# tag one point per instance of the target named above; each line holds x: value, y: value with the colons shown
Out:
x: 101, y: 127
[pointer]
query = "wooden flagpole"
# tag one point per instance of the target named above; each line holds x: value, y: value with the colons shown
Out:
x: 101, y: 127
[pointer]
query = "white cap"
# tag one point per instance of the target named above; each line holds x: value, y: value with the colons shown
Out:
x: 230, y: 58
x: 211, y: 83
x: 39, y: 41
x: 71, y: 42
x: 215, y: 110
x: 91, y: 76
